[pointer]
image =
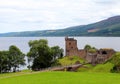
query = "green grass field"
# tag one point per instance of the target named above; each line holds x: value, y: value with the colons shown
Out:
x: 89, y: 74
x: 60, y: 78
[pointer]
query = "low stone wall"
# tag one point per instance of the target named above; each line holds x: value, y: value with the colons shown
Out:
x: 67, y: 68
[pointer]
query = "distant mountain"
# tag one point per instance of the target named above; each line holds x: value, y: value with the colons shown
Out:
x: 107, y: 27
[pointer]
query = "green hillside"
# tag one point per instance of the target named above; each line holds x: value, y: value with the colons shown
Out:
x: 105, y: 67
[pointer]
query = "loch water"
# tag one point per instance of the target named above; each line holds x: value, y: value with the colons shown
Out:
x: 98, y: 42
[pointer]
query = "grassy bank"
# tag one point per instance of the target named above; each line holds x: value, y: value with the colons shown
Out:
x: 70, y: 60
x: 63, y: 78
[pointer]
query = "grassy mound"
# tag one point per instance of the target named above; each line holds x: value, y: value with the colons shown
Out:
x: 98, y: 68
x: 103, y: 67
x: 69, y: 60
x: 88, y: 67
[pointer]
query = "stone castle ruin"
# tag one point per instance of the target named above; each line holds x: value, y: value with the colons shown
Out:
x: 100, y: 56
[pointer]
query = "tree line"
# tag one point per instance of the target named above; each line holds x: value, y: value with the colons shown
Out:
x: 11, y: 60
x: 40, y: 54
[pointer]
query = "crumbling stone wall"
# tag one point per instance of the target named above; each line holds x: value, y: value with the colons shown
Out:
x: 82, y: 53
x: 104, y: 54
x: 100, y: 56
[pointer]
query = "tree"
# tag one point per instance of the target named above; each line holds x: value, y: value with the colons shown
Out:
x: 16, y: 57
x: 4, y: 61
x: 87, y: 47
x: 11, y: 59
x: 42, y: 55
x: 57, y: 53
x: 90, y: 49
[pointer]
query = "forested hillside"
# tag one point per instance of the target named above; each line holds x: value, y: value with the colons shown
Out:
x: 107, y: 27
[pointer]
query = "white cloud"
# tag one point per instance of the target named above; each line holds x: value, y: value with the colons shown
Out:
x: 22, y: 15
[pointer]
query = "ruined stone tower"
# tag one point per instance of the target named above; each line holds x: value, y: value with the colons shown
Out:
x: 71, y: 47
x: 100, y: 56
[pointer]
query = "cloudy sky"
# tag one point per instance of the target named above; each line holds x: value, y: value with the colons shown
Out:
x: 28, y: 15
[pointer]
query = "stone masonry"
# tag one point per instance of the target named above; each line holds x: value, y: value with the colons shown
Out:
x: 100, y: 56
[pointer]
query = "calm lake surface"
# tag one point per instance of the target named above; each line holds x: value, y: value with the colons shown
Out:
x: 98, y: 42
